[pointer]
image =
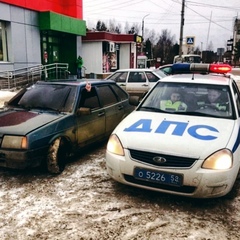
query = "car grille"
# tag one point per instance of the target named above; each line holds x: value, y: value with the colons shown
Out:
x: 168, y: 160
x: 182, y: 189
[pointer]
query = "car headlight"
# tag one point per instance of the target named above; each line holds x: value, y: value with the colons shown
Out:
x: 220, y: 160
x: 114, y: 145
x: 16, y: 142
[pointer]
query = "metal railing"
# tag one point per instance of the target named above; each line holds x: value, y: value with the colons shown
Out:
x: 55, y: 71
x: 29, y: 75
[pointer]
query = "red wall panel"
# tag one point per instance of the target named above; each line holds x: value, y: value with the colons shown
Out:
x: 106, y: 36
x: 71, y: 8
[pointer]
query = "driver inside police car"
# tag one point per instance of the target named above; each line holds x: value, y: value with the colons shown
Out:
x: 213, y: 96
x: 214, y: 99
x: 174, y: 103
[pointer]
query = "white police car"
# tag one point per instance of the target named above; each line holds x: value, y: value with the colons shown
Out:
x: 189, y: 147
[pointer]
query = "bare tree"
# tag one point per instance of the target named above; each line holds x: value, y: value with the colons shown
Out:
x: 118, y: 28
x: 197, y: 50
x: 210, y: 46
x: 164, y: 48
x: 101, y: 26
x: 112, y: 25
x: 151, y: 35
x: 132, y: 29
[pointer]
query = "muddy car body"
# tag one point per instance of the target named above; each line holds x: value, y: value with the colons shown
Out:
x: 48, y: 121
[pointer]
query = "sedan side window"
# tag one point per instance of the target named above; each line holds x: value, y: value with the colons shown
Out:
x: 119, y: 92
x: 119, y: 77
x: 89, y: 99
x: 106, y: 95
x: 135, y: 77
x: 151, y: 77
x: 236, y: 98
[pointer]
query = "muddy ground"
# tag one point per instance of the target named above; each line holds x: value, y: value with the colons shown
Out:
x: 84, y: 203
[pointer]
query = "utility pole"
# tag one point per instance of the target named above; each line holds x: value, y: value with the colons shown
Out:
x: 208, y: 31
x: 181, y: 29
x: 143, y: 31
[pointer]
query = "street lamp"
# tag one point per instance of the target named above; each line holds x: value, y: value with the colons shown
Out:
x: 143, y: 30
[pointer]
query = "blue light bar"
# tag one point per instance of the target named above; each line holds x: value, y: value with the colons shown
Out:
x: 179, y: 68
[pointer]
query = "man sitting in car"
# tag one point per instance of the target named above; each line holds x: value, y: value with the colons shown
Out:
x: 214, y: 100
x: 174, y: 103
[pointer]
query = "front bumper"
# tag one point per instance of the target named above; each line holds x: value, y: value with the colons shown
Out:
x: 21, y: 159
x: 197, y: 182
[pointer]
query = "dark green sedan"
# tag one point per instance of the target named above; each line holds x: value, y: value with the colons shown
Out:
x: 48, y: 121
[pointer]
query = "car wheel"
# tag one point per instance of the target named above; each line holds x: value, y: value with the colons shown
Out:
x: 56, y: 157
x: 238, y: 176
x: 234, y: 192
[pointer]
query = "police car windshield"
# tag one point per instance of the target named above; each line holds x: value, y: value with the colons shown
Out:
x: 190, y: 99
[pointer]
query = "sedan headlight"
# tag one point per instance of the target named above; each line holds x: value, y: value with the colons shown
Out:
x: 16, y: 142
x: 220, y: 160
x: 114, y: 145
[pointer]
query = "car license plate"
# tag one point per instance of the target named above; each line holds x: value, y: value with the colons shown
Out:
x: 158, y: 177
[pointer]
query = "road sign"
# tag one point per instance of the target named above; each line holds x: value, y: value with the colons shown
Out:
x: 190, y: 40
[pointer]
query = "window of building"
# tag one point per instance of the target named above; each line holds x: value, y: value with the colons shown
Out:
x: 3, y: 42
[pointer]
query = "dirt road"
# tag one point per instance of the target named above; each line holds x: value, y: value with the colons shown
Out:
x: 84, y: 203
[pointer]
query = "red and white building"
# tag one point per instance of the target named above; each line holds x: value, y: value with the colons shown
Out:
x: 53, y: 31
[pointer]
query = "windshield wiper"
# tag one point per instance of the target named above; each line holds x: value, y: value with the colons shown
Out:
x: 202, y: 114
x: 154, y: 109
x: 45, y: 108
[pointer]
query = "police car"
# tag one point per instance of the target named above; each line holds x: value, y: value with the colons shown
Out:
x: 190, y: 147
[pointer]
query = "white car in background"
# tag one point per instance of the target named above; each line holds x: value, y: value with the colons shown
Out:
x: 137, y: 81
x: 193, y: 151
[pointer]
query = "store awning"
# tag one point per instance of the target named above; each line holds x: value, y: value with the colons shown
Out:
x: 57, y: 22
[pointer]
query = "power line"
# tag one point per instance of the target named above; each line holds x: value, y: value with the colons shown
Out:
x: 214, y: 6
x: 208, y: 19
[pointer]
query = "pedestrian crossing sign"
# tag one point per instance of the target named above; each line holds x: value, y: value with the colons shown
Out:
x: 190, y: 40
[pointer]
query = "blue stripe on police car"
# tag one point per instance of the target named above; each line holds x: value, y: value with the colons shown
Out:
x: 144, y: 125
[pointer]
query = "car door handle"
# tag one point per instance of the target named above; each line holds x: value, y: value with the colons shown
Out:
x: 120, y: 107
x: 101, y: 114
x: 145, y: 85
x: 122, y: 84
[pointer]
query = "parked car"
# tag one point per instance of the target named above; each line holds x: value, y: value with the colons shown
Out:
x: 45, y: 123
x: 176, y: 68
x: 183, y: 137
x: 136, y: 81
x: 167, y: 69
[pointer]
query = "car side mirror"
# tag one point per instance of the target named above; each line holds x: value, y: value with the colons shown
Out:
x: 83, y: 111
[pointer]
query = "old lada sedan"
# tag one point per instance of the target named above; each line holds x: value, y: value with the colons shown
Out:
x: 44, y: 123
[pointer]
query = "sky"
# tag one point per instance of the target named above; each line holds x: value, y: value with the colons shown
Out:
x: 208, y: 21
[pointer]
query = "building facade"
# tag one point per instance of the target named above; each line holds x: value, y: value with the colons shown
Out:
x: 105, y: 52
x: 40, y: 32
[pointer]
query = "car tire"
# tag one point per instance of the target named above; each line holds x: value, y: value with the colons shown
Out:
x: 56, y: 157
x: 234, y: 192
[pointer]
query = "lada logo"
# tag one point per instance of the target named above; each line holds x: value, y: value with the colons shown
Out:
x: 159, y: 159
